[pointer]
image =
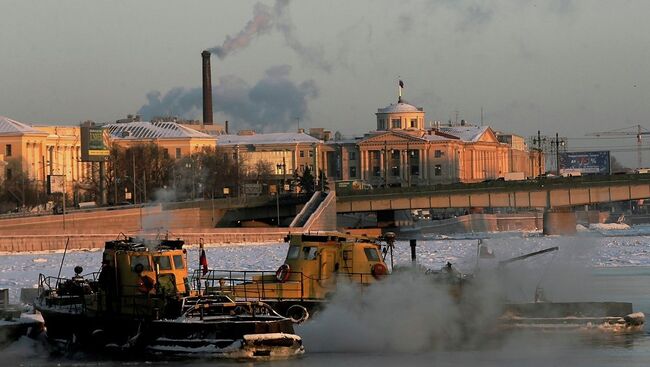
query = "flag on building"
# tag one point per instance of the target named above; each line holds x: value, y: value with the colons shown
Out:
x: 203, y: 262
x: 401, y: 84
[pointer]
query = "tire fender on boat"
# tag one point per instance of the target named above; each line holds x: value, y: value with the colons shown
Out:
x: 298, y: 314
x: 378, y: 270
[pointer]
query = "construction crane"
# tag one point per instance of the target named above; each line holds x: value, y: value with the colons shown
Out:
x: 623, y: 133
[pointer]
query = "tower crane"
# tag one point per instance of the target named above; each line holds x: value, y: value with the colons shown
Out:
x: 640, y: 130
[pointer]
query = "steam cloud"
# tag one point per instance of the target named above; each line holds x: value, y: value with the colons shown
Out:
x: 270, y: 105
x: 265, y: 19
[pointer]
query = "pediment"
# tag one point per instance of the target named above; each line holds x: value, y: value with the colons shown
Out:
x: 488, y: 136
x: 391, y: 137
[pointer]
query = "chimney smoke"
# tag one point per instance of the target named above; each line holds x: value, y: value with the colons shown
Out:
x: 207, y: 88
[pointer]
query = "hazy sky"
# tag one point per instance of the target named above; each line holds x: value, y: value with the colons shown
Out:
x: 564, y: 66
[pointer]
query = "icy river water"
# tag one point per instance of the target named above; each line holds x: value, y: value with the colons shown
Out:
x: 404, y: 324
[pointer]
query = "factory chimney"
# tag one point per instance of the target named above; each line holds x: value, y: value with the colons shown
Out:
x: 207, y: 88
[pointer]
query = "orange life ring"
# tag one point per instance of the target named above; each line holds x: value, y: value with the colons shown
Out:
x: 282, y: 274
x: 378, y: 270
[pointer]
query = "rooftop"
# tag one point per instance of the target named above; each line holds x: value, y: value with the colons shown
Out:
x: 13, y: 127
x: 401, y: 106
x: 270, y: 138
x: 152, y: 130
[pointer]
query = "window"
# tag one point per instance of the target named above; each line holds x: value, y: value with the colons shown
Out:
x: 395, y: 171
x: 178, y: 262
x: 396, y: 123
x: 311, y: 154
x: 437, y: 170
x: 140, y: 259
x: 302, y: 168
x: 353, y: 171
x: 437, y: 154
x: 382, y: 124
x: 302, y: 154
x: 352, y: 156
x: 415, y: 170
x: 166, y: 152
x: 414, y: 122
x: 311, y: 168
x: 309, y: 252
x: 293, y: 253
x: 8, y: 150
x: 8, y: 174
x: 376, y: 171
x: 163, y: 262
x: 371, y: 254
x: 178, y: 153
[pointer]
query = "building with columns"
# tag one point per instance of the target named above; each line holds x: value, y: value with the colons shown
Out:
x: 402, y: 152
x: 39, y: 151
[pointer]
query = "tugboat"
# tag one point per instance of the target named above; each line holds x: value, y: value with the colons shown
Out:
x: 315, y: 263
x: 141, y: 301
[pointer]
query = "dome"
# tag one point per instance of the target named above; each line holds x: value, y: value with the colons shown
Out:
x: 399, y: 107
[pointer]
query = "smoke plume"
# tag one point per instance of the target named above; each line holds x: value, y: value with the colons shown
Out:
x: 271, y: 104
x: 265, y: 19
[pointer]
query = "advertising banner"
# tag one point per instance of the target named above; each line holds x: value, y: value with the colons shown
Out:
x: 596, y: 162
x: 93, y: 146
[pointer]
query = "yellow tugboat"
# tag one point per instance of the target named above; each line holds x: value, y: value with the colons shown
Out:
x: 315, y: 263
x: 141, y: 302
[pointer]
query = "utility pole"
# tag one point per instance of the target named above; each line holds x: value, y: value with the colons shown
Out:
x: 557, y: 153
x: 539, y: 152
x: 133, y: 159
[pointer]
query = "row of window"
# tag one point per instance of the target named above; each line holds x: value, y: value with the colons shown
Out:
x: 397, y: 124
x: 395, y: 171
x: 311, y: 154
x: 352, y: 155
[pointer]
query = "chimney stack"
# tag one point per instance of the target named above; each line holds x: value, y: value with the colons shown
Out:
x: 226, y: 127
x: 207, y: 88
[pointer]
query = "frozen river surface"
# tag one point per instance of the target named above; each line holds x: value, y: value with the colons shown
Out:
x: 390, y: 326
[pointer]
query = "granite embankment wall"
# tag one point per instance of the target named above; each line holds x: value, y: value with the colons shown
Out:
x: 480, y: 223
x: 88, y: 230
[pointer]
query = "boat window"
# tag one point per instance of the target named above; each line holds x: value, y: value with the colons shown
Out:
x: 141, y: 259
x: 309, y: 252
x: 163, y: 262
x: 294, y: 252
x: 178, y: 262
x: 371, y: 254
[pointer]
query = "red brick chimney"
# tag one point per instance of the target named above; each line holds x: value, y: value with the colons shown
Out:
x: 207, y: 88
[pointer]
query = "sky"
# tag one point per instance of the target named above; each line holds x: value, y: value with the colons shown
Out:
x: 566, y: 66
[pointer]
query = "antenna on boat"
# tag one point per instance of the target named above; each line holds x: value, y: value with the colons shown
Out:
x: 65, y: 251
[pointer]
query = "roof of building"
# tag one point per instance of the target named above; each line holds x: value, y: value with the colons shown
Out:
x: 13, y: 127
x: 401, y: 106
x: 153, y: 130
x: 270, y: 138
x: 469, y: 133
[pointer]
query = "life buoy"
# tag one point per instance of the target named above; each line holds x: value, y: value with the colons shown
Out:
x: 378, y: 270
x: 282, y: 274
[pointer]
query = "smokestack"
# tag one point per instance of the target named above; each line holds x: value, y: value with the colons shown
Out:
x: 207, y: 88
x: 226, y: 127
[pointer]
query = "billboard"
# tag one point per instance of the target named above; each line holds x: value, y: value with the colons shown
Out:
x: 596, y: 162
x: 93, y: 146
x: 55, y: 184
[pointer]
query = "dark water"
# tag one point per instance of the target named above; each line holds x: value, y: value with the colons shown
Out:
x: 630, y: 284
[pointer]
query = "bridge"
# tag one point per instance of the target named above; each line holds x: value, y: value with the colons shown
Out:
x: 543, y: 193
x: 555, y: 195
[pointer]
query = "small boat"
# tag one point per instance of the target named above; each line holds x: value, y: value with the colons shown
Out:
x: 315, y: 263
x: 141, y: 302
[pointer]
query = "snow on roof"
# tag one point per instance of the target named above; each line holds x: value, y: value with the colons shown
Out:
x: 399, y: 107
x: 270, y: 138
x: 467, y: 133
x: 13, y: 127
x: 152, y: 130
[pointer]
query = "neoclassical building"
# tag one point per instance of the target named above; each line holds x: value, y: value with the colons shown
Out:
x: 403, y: 152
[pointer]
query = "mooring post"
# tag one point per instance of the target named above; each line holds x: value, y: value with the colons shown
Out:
x: 414, y: 244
